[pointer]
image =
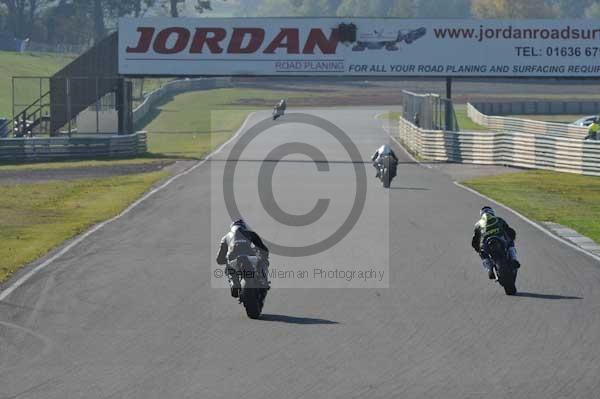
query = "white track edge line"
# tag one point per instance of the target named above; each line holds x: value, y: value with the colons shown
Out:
x: 79, y: 239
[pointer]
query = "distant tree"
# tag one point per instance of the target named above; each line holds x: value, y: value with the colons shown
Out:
x: 511, y: 9
x: 278, y: 8
x: 353, y: 8
x: 173, y: 6
x: 403, y: 9
x: 377, y: 8
x: 593, y: 10
x: 139, y: 6
x: 572, y: 8
x: 444, y: 9
x: 67, y: 23
x: 248, y: 8
x: 21, y: 15
x: 313, y: 8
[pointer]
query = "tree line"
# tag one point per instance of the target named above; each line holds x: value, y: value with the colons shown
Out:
x: 80, y: 21
x: 85, y: 21
x: 426, y: 8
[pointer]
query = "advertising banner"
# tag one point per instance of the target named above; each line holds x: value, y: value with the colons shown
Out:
x: 383, y: 47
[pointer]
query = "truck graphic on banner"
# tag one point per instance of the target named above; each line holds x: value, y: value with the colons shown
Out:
x: 379, y: 38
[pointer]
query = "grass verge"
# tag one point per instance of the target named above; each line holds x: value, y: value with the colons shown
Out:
x: 35, y: 218
x: 464, y: 122
x: 76, y: 164
x: 190, y: 124
x: 568, y: 199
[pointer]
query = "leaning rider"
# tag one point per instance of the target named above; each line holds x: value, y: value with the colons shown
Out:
x: 490, y: 225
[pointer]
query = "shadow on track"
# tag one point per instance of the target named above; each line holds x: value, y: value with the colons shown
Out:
x: 410, y: 188
x: 545, y: 296
x: 295, y: 320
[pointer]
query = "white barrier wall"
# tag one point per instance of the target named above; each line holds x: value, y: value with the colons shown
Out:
x: 176, y: 87
x: 503, y: 123
x: 519, y: 149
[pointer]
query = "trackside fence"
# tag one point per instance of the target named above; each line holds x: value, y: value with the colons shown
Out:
x: 89, y: 146
x: 518, y: 149
x: 504, y: 123
x: 66, y: 148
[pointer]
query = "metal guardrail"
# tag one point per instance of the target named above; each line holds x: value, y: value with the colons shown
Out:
x: 429, y: 111
x: 519, y: 149
x: 67, y: 148
x: 537, y: 107
x: 503, y: 123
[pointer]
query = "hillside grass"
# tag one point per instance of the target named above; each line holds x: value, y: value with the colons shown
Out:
x: 17, y: 64
x: 545, y: 196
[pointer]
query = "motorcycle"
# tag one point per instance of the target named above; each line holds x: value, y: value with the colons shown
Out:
x: 277, y: 112
x: 253, y: 284
x: 387, y: 171
x: 504, y: 269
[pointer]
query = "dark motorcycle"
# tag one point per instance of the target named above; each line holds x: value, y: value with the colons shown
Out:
x: 504, y: 269
x: 387, y: 171
x: 278, y: 111
x: 254, y: 286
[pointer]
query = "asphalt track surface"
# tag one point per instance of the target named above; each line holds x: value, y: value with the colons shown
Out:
x: 133, y: 312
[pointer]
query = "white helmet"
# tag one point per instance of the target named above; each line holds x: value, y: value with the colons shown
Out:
x: 238, y: 222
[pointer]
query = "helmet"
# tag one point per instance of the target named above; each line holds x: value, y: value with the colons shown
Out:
x: 487, y: 210
x: 385, y: 150
x: 238, y: 222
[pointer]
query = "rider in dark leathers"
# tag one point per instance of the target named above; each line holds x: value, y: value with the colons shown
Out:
x: 490, y: 225
x: 380, y: 154
x: 239, y: 241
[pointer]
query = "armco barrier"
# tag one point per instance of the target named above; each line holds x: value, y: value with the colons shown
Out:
x: 526, y: 150
x: 176, y: 87
x: 539, y: 107
x: 503, y: 123
x: 79, y: 147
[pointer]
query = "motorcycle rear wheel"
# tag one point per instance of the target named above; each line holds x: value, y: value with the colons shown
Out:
x: 251, y: 299
x: 386, y: 180
x: 507, y: 277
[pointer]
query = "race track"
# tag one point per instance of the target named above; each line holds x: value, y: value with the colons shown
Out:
x: 134, y: 312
